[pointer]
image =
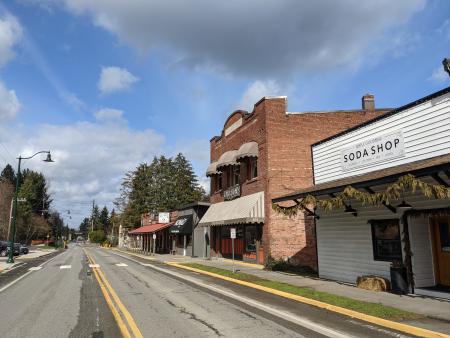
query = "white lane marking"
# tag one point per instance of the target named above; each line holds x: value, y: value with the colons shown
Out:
x: 306, y: 323
x: 35, y: 268
x: 146, y: 264
x: 27, y: 273
x: 94, y: 265
x: 65, y: 267
x: 121, y: 264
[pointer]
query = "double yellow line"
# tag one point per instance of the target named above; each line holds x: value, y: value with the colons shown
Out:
x: 123, y: 318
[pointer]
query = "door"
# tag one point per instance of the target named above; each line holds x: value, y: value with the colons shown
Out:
x: 442, y: 246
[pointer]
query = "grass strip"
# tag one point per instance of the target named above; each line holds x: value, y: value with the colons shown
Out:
x: 373, y: 309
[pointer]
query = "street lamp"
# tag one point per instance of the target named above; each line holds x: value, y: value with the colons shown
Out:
x: 12, y: 236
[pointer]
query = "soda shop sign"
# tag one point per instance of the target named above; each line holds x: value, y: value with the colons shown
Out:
x: 373, y: 150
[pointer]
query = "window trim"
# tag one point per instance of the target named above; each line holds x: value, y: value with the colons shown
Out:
x: 376, y: 255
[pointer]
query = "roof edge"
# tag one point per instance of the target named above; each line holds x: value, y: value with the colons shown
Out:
x: 388, y: 114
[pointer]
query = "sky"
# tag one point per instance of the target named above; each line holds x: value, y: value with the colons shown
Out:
x: 108, y: 84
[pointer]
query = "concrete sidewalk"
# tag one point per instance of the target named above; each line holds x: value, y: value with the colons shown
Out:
x: 430, y: 307
x: 18, y: 259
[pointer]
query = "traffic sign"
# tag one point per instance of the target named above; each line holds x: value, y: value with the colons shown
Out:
x: 232, y: 233
x: 154, y: 236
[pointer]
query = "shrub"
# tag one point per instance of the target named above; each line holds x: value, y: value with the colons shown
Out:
x: 273, y: 264
x: 97, y: 236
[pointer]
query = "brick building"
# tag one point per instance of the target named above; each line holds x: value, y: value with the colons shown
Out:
x: 258, y: 156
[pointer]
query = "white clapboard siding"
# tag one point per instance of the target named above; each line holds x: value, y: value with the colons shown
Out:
x: 344, y: 242
x: 426, y: 133
x: 422, y: 260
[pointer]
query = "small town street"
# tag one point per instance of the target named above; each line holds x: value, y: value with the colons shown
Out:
x: 62, y: 298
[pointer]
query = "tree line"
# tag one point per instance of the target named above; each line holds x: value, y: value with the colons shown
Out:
x: 164, y: 184
x: 35, y: 219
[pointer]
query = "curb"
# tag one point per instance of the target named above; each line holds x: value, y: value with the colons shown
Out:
x: 333, y: 308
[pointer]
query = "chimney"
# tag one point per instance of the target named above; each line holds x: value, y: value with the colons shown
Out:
x: 368, y: 102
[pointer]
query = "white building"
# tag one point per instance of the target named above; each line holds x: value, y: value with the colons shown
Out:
x: 362, y: 237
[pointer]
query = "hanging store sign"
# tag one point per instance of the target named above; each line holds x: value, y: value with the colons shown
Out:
x: 232, y: 192
x: 377, y: 149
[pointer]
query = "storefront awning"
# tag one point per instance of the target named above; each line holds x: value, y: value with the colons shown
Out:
x: 148, y: 229
x: 249, y: 149
x: 428, y: 167
x: 243, y: 210
x: 227, y: 158
x: 212, y: 169
x: 183, y: 225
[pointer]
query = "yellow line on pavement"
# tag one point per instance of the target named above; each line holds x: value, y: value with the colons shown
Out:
x: 417, y: 331
x: 102, y: 280
x: 120, y: 323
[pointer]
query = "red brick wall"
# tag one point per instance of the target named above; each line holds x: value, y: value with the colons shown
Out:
x: 284, y: 165
x: 289, y: 140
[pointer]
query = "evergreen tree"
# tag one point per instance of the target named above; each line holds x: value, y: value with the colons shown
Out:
x: 8, y: 175
x: 95, y: 217
x: 84, y: 227
x: 103, y: 219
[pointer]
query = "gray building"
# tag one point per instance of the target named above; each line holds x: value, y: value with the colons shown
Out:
x: 187, y: 238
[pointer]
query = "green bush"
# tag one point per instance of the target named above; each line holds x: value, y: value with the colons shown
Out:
x: 273, y: 264
x: 97, y: 236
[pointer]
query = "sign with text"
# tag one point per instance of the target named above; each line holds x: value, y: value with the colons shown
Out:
x: 377, y: 149
x: 233, y: 233
x: 164, y: 217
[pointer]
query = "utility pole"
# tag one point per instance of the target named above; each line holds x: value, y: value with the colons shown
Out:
x: 92, y: 215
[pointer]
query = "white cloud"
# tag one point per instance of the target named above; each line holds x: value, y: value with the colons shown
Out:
x: 91, y: 158
x: 257, y: 90
x: 114, y: 79
x: 10, y: 35
x: 246, y: 38
x: 109, y: 115
x: 439, y: 75
x: 9, y: 103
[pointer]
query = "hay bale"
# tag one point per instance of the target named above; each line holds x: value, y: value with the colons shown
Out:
x: 373, y: 283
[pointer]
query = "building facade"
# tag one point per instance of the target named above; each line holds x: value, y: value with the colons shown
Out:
x: 387, y: 183
x: 187, y: 238
x: 258, y: 156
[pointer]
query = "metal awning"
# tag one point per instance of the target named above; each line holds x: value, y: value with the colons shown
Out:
x: 148, y: 229
x: 249, y: 149
x: 243, y: 210
x: 227, y: 158
x: 183, y: 225
x: 212, y: 169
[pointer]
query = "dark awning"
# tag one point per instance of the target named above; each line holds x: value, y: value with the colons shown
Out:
x: 183, y: 225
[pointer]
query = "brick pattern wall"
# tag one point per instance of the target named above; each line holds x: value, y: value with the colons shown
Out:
x: 284, y: 165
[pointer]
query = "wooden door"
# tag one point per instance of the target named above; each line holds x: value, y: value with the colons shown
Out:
x: 442, y: 249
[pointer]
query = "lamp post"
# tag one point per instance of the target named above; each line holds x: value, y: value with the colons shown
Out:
x: 12, y: 236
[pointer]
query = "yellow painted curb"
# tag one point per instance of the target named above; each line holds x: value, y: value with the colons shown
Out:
x: 337, y: 309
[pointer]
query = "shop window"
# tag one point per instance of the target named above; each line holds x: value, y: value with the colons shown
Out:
x: 386, y: 240
x: 444, y: 235
x: 250, y: 238
x: 252, y: 168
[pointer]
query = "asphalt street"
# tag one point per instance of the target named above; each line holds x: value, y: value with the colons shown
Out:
x: 94, y: 292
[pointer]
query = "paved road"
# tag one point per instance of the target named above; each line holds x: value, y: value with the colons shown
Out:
x: 154, y: 300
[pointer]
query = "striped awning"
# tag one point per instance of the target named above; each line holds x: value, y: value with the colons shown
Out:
x: 227, y: 158
x: 249, y: 149
x: 243, y: 210
x: 212, y: 169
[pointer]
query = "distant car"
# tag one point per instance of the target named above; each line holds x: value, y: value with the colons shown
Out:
x: 23, y: 249
x: 4, y: 244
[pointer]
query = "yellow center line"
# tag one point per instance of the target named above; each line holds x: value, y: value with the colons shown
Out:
x: 103, y: 282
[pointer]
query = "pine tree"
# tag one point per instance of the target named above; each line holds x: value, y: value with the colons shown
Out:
x: 8, y: 174
x: 104, y: 220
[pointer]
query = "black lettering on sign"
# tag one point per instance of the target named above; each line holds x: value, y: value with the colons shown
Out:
x: 388, y: 145
x: 372, y: 150
x: 396, y: 141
